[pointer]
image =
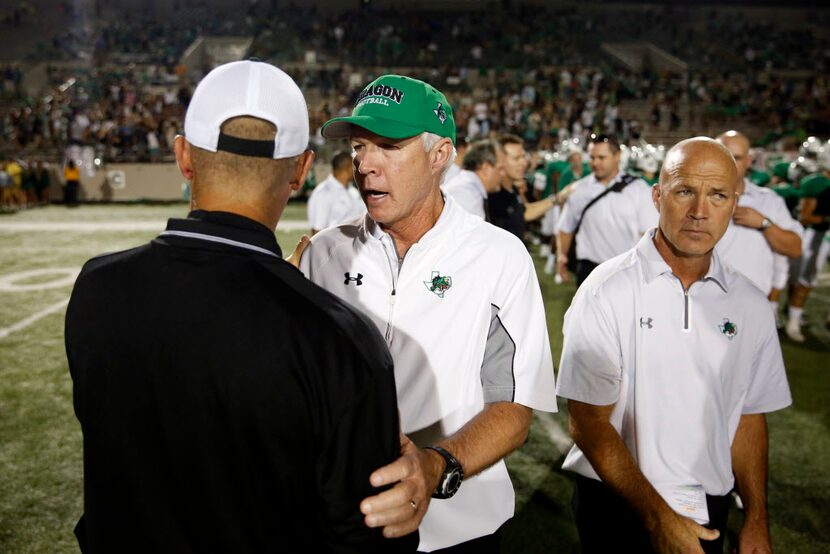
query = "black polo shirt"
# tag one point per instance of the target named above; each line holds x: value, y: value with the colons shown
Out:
x: 227, y: 404
x: 507, y: 211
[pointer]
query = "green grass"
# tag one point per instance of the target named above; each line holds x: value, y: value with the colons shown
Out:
x: 40, y: 440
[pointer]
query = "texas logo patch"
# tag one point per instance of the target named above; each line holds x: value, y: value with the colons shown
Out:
x: 439, y: 284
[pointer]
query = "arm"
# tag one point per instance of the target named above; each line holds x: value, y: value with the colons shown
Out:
x: 782, y: 241
x: 806, y: 212
x: 497, y: 430
x: 563, y: 245
x: 749, y: 463
x: 535, y: 210
x: 361, y: 434
x: 593, y: 433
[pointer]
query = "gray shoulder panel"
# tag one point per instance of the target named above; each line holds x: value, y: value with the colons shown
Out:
x: 497, y: 379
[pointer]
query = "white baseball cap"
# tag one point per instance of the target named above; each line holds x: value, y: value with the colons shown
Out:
x: 248, y: 88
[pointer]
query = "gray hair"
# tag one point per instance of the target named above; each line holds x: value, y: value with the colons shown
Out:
x: 479, y: 153
x: 430, y: 140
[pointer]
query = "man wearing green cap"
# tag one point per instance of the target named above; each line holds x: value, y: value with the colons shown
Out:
x: 459, y: 304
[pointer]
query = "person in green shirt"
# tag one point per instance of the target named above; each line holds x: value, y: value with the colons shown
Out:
x: 814, y: 214
x: 576, y: 170
x: 779, y: 172
x: 553, y: 171
x: 760, y: 178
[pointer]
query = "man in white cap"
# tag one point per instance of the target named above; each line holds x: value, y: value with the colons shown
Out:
x: 460, y: 307
x: 228, y: 404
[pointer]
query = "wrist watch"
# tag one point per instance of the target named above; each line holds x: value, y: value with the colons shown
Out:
x: 766, y: 223
x: 453, y: 474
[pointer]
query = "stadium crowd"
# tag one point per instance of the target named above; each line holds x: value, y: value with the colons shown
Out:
x: 128, y: 97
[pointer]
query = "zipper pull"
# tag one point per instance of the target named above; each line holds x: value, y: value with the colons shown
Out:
x: 392, y: 297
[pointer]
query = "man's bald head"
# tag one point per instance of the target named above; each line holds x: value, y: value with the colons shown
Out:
x: 696, y: 196
x: 702, y: 155
x: 738, y: 145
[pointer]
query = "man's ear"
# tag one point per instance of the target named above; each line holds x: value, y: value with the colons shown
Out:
x: 443, y: 153
x: 655, y: 195
x: 304, y: 164
x: 182, y: 150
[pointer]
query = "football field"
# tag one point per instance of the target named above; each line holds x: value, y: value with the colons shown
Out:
x: 41, y: 253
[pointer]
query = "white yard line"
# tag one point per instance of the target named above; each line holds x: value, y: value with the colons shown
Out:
x: 557, y: 435
x: 91, y: 226
x: 22, y: 324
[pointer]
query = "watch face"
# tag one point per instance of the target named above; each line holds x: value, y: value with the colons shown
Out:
x: 453, y: 482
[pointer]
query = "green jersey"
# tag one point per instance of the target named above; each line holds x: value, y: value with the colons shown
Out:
x: 813, y: 185
x: 789, y: 193
x: 552, y: 169
x: 780, y: 170
x: 568, y: 176
x: 760, y: 178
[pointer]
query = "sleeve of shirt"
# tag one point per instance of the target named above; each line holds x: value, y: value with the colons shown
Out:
x: 570, y: 214
x: 518, y: 365
x: 317, y: 216
x: 590, y: 369
x: 768, y: 390
x: 363, y: 435
x: 468, y: 199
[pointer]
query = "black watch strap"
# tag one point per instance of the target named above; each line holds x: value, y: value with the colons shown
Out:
x: 453, y: 474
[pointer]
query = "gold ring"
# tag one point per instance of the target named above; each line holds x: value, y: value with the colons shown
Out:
x: 412, y: 503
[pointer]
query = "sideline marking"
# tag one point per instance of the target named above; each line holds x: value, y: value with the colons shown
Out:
x: 67, y: 278
x: 558, y: 436
x: 90, y: 226
x: 22, y: 324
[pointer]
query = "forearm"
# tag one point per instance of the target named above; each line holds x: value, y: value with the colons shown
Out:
x: 535, y: 210
x: 499, y: 429
x: 786, y: 243
x: 749, y: 464
x: 563, y: 244
x: 806, y: 212
x: 612, y: 461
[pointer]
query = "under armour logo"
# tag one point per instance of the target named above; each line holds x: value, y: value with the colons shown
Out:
x: 645, y: 322
x: 358, y: 280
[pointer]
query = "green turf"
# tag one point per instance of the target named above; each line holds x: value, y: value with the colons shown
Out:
x: 40, y: 441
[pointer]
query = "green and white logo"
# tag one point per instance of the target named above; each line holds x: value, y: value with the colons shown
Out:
x: 440, y: 112
x: 729, y: 329
x: 439, y: 284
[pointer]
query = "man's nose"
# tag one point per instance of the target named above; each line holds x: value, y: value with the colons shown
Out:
x: 700, y: 207
x: 366, y: 161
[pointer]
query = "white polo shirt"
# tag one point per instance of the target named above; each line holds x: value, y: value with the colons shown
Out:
x: 331, y: 204
x: 679, y: 368
x: 468, y: 191
x: 745, y: 249
x: 464, y: 320
x: 452, y: 173
x: 614, y: 224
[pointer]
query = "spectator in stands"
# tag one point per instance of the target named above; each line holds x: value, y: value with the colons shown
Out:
x: 72, y: 182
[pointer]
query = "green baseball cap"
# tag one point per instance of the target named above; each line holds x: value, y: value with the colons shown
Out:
x: 397, y: 107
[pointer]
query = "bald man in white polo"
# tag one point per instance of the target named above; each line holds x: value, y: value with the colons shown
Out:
x: 669, y: 363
